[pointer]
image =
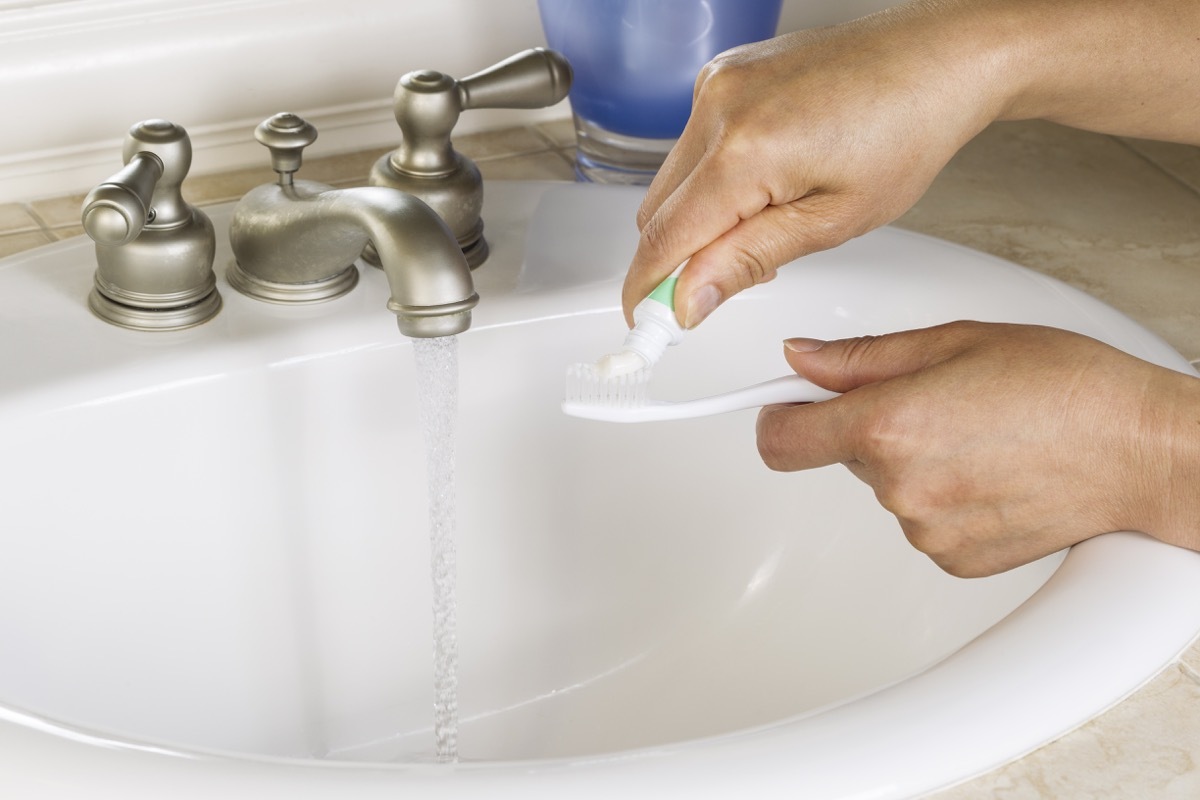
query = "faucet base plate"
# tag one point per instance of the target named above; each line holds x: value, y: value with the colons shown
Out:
x: 292, y: 293
x: 155, y: 319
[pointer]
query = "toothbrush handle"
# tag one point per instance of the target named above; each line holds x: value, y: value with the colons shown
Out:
x: 787, y: 389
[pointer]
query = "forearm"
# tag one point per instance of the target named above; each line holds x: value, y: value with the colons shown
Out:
x: 1127, y: 67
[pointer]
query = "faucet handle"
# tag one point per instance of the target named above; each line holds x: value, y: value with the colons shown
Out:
x: 154, y: 251
x: 285, y: 135
x: 535, y: 78
x: 427, y: 105
x: 115, y: 212
x: 157, y: 157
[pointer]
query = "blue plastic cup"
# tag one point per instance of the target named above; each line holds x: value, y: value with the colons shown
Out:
x: 635, y: 65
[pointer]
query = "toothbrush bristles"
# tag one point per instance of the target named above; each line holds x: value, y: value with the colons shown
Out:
x: 588, y: 385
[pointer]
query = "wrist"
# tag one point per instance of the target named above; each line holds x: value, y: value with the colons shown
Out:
x: 1169, y: 505
x: 972, y: 55
x: 1181, y: 502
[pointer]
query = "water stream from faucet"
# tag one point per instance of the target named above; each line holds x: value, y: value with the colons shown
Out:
x: 437, y: 385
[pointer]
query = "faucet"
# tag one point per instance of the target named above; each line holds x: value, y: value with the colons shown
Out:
x: 296, y: 241
x: 154, y: 251
x: 427, y: 105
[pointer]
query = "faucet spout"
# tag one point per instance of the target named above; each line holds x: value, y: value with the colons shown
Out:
x: 296, y: 242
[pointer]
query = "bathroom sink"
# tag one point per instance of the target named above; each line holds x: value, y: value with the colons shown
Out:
x: 216, y: 560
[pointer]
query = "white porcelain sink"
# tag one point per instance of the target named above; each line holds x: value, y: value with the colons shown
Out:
x: 216, y: 575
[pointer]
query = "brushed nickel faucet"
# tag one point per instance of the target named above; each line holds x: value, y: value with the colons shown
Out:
x: 427, y: 105
x: 154, y: 251
x: 296, y: 241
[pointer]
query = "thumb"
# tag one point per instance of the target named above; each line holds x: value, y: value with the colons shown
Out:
x: 845, y: 364
x: 751, y: 252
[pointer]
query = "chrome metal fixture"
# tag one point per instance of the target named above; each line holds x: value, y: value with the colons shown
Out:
x: 427, y: 105
x: 154, y: 251
x: 296, y: 241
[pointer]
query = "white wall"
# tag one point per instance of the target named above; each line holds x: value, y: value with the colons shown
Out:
x: 75, y: 75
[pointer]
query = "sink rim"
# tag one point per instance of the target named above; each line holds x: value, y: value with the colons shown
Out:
x: 1092, y: 570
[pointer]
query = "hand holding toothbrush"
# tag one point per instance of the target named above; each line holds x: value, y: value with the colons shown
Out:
x: 996, y: 444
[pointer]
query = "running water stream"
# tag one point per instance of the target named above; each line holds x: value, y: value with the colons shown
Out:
x: 437, y: 386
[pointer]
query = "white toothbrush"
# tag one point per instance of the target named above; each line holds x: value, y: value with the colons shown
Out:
x: 614, y: 388
x: 592, y: 394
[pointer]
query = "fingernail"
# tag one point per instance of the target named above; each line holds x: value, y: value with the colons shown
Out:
x: 801, y: 344
x: 702, y: 303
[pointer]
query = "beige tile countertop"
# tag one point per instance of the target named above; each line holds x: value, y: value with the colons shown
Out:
x: 1117, y: 218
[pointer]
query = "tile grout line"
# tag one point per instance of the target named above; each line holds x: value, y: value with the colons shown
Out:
x: 1158, y: 167
x: 491, y: 157
x: 37, y: 218
x: 27, y: 225
x: 1189, y: 672
x: 545, y: 137
x: 570, y: 161
x: 554, y: 147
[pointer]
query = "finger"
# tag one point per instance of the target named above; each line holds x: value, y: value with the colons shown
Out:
x: 708, y: 202
x: 680, y: 162
x: 796, y: 437
x: 646, y: 272
x: 836, y: 431
x: 753, y: 250
x: 847, y: 364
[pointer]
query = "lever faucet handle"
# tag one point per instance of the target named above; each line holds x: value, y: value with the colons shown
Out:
x: 157, y: 157
x: 154, y: 251
x: 534, y: 78
x: 427, y: 104
x: 285, y: 135
x: 115, y: 212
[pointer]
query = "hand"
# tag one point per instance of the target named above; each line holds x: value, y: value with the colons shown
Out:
x: 795, y: 145
x: 799, y: 143
x: 995, y: 444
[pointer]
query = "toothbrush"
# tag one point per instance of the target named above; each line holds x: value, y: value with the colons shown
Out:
x: 623, y: 398
x: 614, y: 388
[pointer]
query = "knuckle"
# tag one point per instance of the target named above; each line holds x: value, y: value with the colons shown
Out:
x: 706, y: 76
x: 655, y: 236
x: 860, y: 349
x: 959, y: 562
x: 720, y: 74
x: 772, y: 458
x: 883, y: 430
x: 644, y: 215
x: 827, y: 219
x: 930, y: 531
x: 963, y: 568
x: 771, y: 448
x: 898, y: 497
x: 753, y: 266
x: 945, y: 547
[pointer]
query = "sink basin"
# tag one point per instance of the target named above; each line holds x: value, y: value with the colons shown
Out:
x: 216, y: 560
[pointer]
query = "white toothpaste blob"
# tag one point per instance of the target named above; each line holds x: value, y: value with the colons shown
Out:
x: 624, y: 362
x: 654, y: 329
